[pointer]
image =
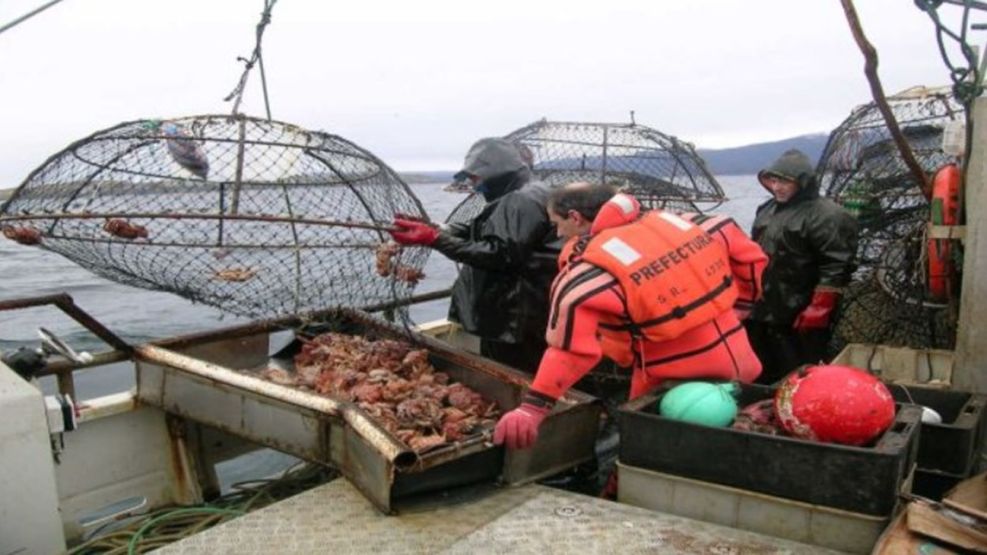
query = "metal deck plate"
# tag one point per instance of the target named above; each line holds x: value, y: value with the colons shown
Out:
x: 335, y: 518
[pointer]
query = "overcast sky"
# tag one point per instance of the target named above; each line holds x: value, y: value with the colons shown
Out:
x: 417, y: 81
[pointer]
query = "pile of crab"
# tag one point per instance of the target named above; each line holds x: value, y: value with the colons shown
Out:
x: 393, y: 383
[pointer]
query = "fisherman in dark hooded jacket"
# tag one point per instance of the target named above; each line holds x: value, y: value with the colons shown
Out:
x: 508, y: 253
x: 811, y: 243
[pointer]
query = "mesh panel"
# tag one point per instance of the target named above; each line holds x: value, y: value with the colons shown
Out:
x: 255, y: 217
x: 861, y: 169
x: 660, y: 170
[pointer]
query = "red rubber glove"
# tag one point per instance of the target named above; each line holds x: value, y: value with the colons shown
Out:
x: 412, y: 232
x: 519, y: 428
x: 816, y: 316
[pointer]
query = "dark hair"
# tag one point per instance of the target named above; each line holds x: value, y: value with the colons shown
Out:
x: 587, y: 199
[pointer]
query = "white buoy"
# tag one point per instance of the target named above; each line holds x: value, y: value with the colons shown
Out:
x: 930, y: 416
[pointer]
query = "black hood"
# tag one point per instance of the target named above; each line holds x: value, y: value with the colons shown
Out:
x: 794, y: 165
x: 499, y: 185
x: 491, y: 157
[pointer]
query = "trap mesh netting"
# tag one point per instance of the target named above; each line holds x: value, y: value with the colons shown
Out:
x: 255, y: 217
x: 660, y: 170
x: 889, y: 300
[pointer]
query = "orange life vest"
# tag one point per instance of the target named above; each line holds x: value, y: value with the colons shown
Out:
x: 567, y: 252
x: 747, y: 259
x: 675, y: 276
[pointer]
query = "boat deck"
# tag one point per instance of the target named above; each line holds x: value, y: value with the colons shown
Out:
x: 335, y: 518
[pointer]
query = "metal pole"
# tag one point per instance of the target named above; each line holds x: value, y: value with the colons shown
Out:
x: 238, y: 181
x: 970, y: 369
x: 173, y: 216
x: 68, y: 306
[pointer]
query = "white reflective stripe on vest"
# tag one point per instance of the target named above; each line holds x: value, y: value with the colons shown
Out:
x: 624, y: 202
x: 675, y: 220
x: 624, y: 253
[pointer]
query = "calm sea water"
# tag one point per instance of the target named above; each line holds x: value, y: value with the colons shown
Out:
x: 140, y: 315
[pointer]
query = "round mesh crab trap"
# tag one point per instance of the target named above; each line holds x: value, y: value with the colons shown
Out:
x: 889, y: 300
x: 253, y: 216
x: 660, y: 170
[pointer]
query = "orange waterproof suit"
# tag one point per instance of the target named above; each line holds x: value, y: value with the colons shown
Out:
x: 688, y: 276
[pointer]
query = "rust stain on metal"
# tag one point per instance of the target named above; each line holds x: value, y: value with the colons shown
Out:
x: 99, y: 359
x: 452, y: 452
x: 687, y: 543
x: 266, y: 440
x: 176, y: 436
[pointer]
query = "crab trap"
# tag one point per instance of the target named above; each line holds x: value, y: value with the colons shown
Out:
x: 905, y: 280
x: 253, y: 216
x: 660, y: 170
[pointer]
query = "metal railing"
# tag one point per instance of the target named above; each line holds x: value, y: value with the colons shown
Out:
x: 63, y: 369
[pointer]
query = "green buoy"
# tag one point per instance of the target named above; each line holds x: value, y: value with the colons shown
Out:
x: 700, y: 403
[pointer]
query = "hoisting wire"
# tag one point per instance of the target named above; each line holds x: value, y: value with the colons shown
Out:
x: 28, y: 15
x: 965, y: 89
x: 255, y: 58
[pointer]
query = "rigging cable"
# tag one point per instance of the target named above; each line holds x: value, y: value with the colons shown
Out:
x: 255, y: 58
x: 28, y: 15
x: 967, y: 81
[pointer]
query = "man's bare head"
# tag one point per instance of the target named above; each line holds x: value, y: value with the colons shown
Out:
x: 573, y: 207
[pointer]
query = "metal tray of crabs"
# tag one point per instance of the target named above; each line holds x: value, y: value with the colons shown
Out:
x: 398, y: 413
x: 394, y: 383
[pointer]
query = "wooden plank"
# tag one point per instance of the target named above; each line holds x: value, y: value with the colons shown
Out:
x: 896, y: 540
x: 969, y: 496
x: 947, y: 232
x: 928, y: 520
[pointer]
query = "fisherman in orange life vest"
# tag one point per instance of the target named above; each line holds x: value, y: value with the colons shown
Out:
x: 651, y: 291
x: 812, y: 243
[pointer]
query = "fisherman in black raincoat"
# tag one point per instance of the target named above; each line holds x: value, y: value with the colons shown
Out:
x: 811, y: 243
x: 508, y: 253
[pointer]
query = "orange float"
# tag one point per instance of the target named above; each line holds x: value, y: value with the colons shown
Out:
x: 944, y: 207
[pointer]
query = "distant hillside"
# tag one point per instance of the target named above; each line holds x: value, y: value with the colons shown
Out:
x: 750, y: 159
x: 741, y: 160
x: 427, y: 176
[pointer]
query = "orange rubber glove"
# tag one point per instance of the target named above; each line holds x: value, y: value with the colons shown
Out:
x: 816, y: 316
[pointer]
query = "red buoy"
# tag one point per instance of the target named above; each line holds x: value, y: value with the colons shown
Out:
x: 832, y: 403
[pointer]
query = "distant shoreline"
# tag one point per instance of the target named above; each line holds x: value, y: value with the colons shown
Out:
x: 722, y: 162
x: 411, y: 179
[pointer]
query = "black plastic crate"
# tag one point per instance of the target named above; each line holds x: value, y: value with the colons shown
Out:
x: 950, y: 447
x: 932, y: 484
x: 860, y: 479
